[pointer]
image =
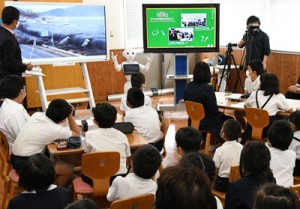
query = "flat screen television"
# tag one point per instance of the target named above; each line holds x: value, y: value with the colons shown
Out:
x: 61, y: 33
x: 181, y: 28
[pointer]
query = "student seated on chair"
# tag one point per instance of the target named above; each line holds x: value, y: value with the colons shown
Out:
x: 269, y: 98
x: 106, y: 138
x: 188, y: 139
x: 37, y: 177
x: 295, y: 144
x: 145, y: 163
x: 228, y: 154
x: 144, y: 118
x: 276, y: 197
x: 280, y: 135
x: 199, y: 90
x: 252, y: 83
x: 42, y: 129
x: 255, y: 172
x: 83, y: 204
x: 137, y: 80
x: 184, y: 187
x: 12, y: 112
x: 204, y: 162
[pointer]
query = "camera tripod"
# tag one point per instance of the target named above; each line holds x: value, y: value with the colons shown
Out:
x: 227, y: 69
x: 247, y: 53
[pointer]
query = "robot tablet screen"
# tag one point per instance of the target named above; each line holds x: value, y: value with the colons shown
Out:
x: 130, y: 69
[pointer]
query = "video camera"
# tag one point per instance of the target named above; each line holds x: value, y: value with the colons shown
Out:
x: 229, y: 45
x: 252, y: 28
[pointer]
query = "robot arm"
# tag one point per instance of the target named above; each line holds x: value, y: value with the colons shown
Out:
x: 145, y: 68
x: 118, y: 67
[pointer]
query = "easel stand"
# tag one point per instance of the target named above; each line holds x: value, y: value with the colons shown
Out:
x: 88, y: 90
x: 227, y: 70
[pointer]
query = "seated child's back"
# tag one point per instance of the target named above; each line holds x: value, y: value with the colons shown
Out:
x: 145, y: 162
x: 280, y: 135
x: 228, y: 154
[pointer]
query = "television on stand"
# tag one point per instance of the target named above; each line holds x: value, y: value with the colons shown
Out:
x: 180, y: 28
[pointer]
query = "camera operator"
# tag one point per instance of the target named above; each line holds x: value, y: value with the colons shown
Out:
x: 256, y: 42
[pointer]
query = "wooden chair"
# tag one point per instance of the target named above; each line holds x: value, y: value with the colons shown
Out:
x: 258, y: 119
x: 296, y: 189
x: 234, y: 175
x: 99, y: 166
x: 296, y: 180
x: 145, y: 201
x: 8, y: 175
x: 165, y: 123
x: 196, y: 112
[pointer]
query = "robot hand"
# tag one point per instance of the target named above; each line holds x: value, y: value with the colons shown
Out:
x: 113, y: 57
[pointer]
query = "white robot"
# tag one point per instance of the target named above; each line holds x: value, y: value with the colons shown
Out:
x: 129, y: 66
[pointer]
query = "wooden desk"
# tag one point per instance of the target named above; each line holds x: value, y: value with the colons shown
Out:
x: 135, y: 139
x: 226, y: 103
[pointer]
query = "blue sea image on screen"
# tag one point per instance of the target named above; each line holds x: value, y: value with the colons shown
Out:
x: 61, y: 31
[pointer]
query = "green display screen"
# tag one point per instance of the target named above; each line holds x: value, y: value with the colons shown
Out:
x: 181, y: 28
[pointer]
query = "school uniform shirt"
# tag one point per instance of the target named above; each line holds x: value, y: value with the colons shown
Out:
x: 276, y: 103
x: 130, y: 186
x: 125, y: 108
x: 282, y: 165
x: 37, y: 133
x: 13, y: 117
x: 219, y: 204
x: 250, y: 85
x: 295, y: 145
x: 55, y: 197
x: 146, y: 121
x: 106, y: 140
x: 226, y: 156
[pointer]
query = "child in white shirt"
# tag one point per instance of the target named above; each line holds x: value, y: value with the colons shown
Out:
x: 282, y: 163
x: 228, y: 154
x: 295, y: 144
x: 145, y: 119
x: 145, y: 163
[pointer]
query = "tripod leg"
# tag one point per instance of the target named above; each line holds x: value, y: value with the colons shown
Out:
x: 238, y: 76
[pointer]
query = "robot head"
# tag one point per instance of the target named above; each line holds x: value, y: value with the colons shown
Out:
x: 129, y: 54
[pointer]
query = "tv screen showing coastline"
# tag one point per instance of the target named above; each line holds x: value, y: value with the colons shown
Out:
x: 60, y: 32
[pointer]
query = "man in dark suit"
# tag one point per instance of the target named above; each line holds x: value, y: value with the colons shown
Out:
x: 10, y: 52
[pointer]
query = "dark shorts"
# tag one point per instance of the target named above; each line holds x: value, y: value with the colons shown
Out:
x: 158, y: 145
x: 221, y: 184
x: 17, y: 161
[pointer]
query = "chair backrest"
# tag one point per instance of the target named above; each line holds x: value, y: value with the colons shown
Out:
x: 195, y: 111
x: 296, y: 189
x: 234, y: 173
x: 165, y: 123
x: 145, y: 201
x: 100, y: 166
x: 4, y: 155
x: 258, y: 119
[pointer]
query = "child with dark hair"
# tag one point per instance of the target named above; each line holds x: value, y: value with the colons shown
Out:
x: 83, y: 204
x: 280, y: 135
x: 42, y: 129
x: 137, y: 80
x: 228, y: 154
x: 255, y: 171
x: 295, y: 144
x: 106, y: 138
x: 269, y: 98
x: 188, y: 139
x: 12, y: 113
x: 37, y: 177
x: 145, y: 119
x: 145, y: 163
x: 252, y: 82
x: 184, y: 187
x: 203, y: 162
x: 276, y: 197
